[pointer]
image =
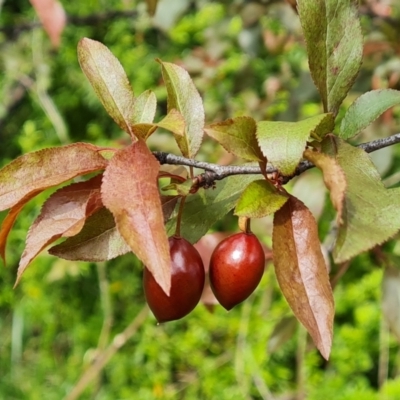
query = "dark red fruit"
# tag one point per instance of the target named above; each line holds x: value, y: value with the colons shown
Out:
x: 236, y: 268
x: 187, y: 282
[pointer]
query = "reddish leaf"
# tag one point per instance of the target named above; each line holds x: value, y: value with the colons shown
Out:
x: 6, y: 226
x: 130, y: 192
x: 62, y: 215
x: 302, y: 273
x: 32, y: 173
x: 52, y: 15
x: 99, y: 240
x: 334, y: 178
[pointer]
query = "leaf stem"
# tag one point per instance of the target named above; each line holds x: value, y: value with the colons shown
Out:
x: 179, y: 217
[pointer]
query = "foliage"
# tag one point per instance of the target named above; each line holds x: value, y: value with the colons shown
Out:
x: 121, y: 210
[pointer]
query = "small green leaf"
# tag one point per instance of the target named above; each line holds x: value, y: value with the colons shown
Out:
x: 144, y: 108
x: 184, y: 97
x: 237, y: 136
x: 370, y: 211
x: 208, y: 206
x: 366, y: 109
x: 182, y: 189
x: 175, y: 123
x: 259, y: 199
x: 283, y: 143
x: 334, y: 45
x: 109, y: 81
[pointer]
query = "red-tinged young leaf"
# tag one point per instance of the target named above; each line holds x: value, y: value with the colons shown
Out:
x: 130, y: 192
x: 109, y: 81
x: 237, y: 136
x: 368, y: 206
x: 334, y: 45
x: 334, y: 178
x: 366, y: 109
x: 302, y: 273
x: 62, y: 215
x: 259, y: 199
x: 52, y: 15
x: 6, y: 227
x: 283, y: 143
x: 30, y: 174
x: 184, y: 97
x: 99, y: 240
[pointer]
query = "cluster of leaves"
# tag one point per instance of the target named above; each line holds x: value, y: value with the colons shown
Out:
x: 121, y: 210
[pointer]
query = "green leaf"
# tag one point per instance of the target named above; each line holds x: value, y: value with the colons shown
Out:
x: 130, y: 192
x: 207, y: 206
x: 237, y: 136
x: 334, y: 45
x: 109, y: 81
x: 366, y: 109
x: 175, y: 123
x: 370, y: 211
x: 259, y: 199
x: 144, y: 108
x: 184, y: 97
x: 283, y: 143
x: 99, y: 240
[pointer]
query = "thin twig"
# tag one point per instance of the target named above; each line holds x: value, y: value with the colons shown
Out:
x: 217, y: 172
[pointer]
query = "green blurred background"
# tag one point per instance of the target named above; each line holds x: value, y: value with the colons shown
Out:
x: 246, y: 58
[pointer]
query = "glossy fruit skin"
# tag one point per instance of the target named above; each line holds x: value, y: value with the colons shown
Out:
x: 187, y: 282
x: 236, y: 268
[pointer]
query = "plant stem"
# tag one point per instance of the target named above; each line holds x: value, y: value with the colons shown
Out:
x: 219, y: 172
x: 179, y: 217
